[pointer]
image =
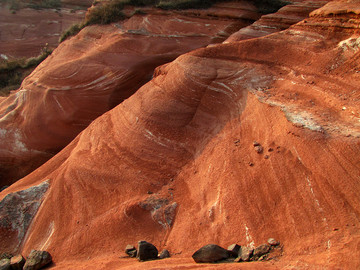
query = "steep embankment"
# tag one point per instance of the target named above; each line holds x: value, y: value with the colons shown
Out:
x: 92, y: 73
x: 188, y: 137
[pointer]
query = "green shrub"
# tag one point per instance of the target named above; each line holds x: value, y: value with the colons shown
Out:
x: 71, y: 31
x: 105, y: 14
x: 14, y: 71
x: 184, y: 4
x: 43, y: 4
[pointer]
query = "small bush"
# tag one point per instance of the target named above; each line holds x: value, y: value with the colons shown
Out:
x: 71, y: 31
x: 14, y: 71
x: 43, y: 4
x: 105, y: 14
x: 184, y: 4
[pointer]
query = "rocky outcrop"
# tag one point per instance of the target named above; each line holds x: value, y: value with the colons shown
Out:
x: 295, y: 92
x: 17, y: 210
x: 92, y: 73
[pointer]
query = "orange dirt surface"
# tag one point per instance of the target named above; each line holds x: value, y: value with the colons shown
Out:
x: 92, y: 73
x: 175, y: 164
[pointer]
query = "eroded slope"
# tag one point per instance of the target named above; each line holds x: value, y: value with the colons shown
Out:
x: 187, y: 136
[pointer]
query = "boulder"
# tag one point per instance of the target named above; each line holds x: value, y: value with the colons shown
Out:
x: 37, y: 259
x: 260, y: 251
x: 164, y: 254
x: 131, y: 251
x: 273, y: 242
x: 244, y: 254
x: 210, y: 253
x: 17, y: 262
x: 146, y: 251
x: 5, y: 264
x: 234, y: 250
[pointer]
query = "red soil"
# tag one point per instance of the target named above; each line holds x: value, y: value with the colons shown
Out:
x: 187, y: 135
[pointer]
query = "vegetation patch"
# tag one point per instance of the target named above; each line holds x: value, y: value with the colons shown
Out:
x: 12, y: 72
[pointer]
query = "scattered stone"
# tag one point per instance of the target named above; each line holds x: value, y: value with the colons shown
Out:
x: 263, y: 257
x: 17, y: 262
x: 131, y: 251
x: 270, y: 149
x: 234, y: 250
x: 37, y: 259
x: 245, y: 254
x: 255, y: 143
x: 261, y: 250
x: 5, y: 264
x: 259, y: 149
x: 251, y: 164
x: 273, y: 242
x: 146, y: 251
x: 266, y: 156
x: 164, y: 254
x: 210, y: 253
x: 150, y: 192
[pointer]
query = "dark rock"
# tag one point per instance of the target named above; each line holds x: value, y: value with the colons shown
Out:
x: 17, y: 262
x: 146, y: 251
x: 234, y: 250
x: 164, y: 254
x: 210, y: 253
x: 273, y: 242
x: 37, y: 259
x: 259, y: 149
x: 245, y: 254
x: 5, y: 264
x: 255, y: 143
x: 261, y: 250
x: 131, y: 251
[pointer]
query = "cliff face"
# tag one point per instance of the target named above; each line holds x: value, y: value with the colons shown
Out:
x: 175, y: 162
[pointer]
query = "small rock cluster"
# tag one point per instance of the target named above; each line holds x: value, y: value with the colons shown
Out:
x: 234, y: 253
x: 36, y: 260
x: 145, y: 252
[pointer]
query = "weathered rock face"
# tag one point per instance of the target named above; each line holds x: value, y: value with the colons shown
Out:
x: 295, y: 92
x: 16, y: 213
x: 92, y: 73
